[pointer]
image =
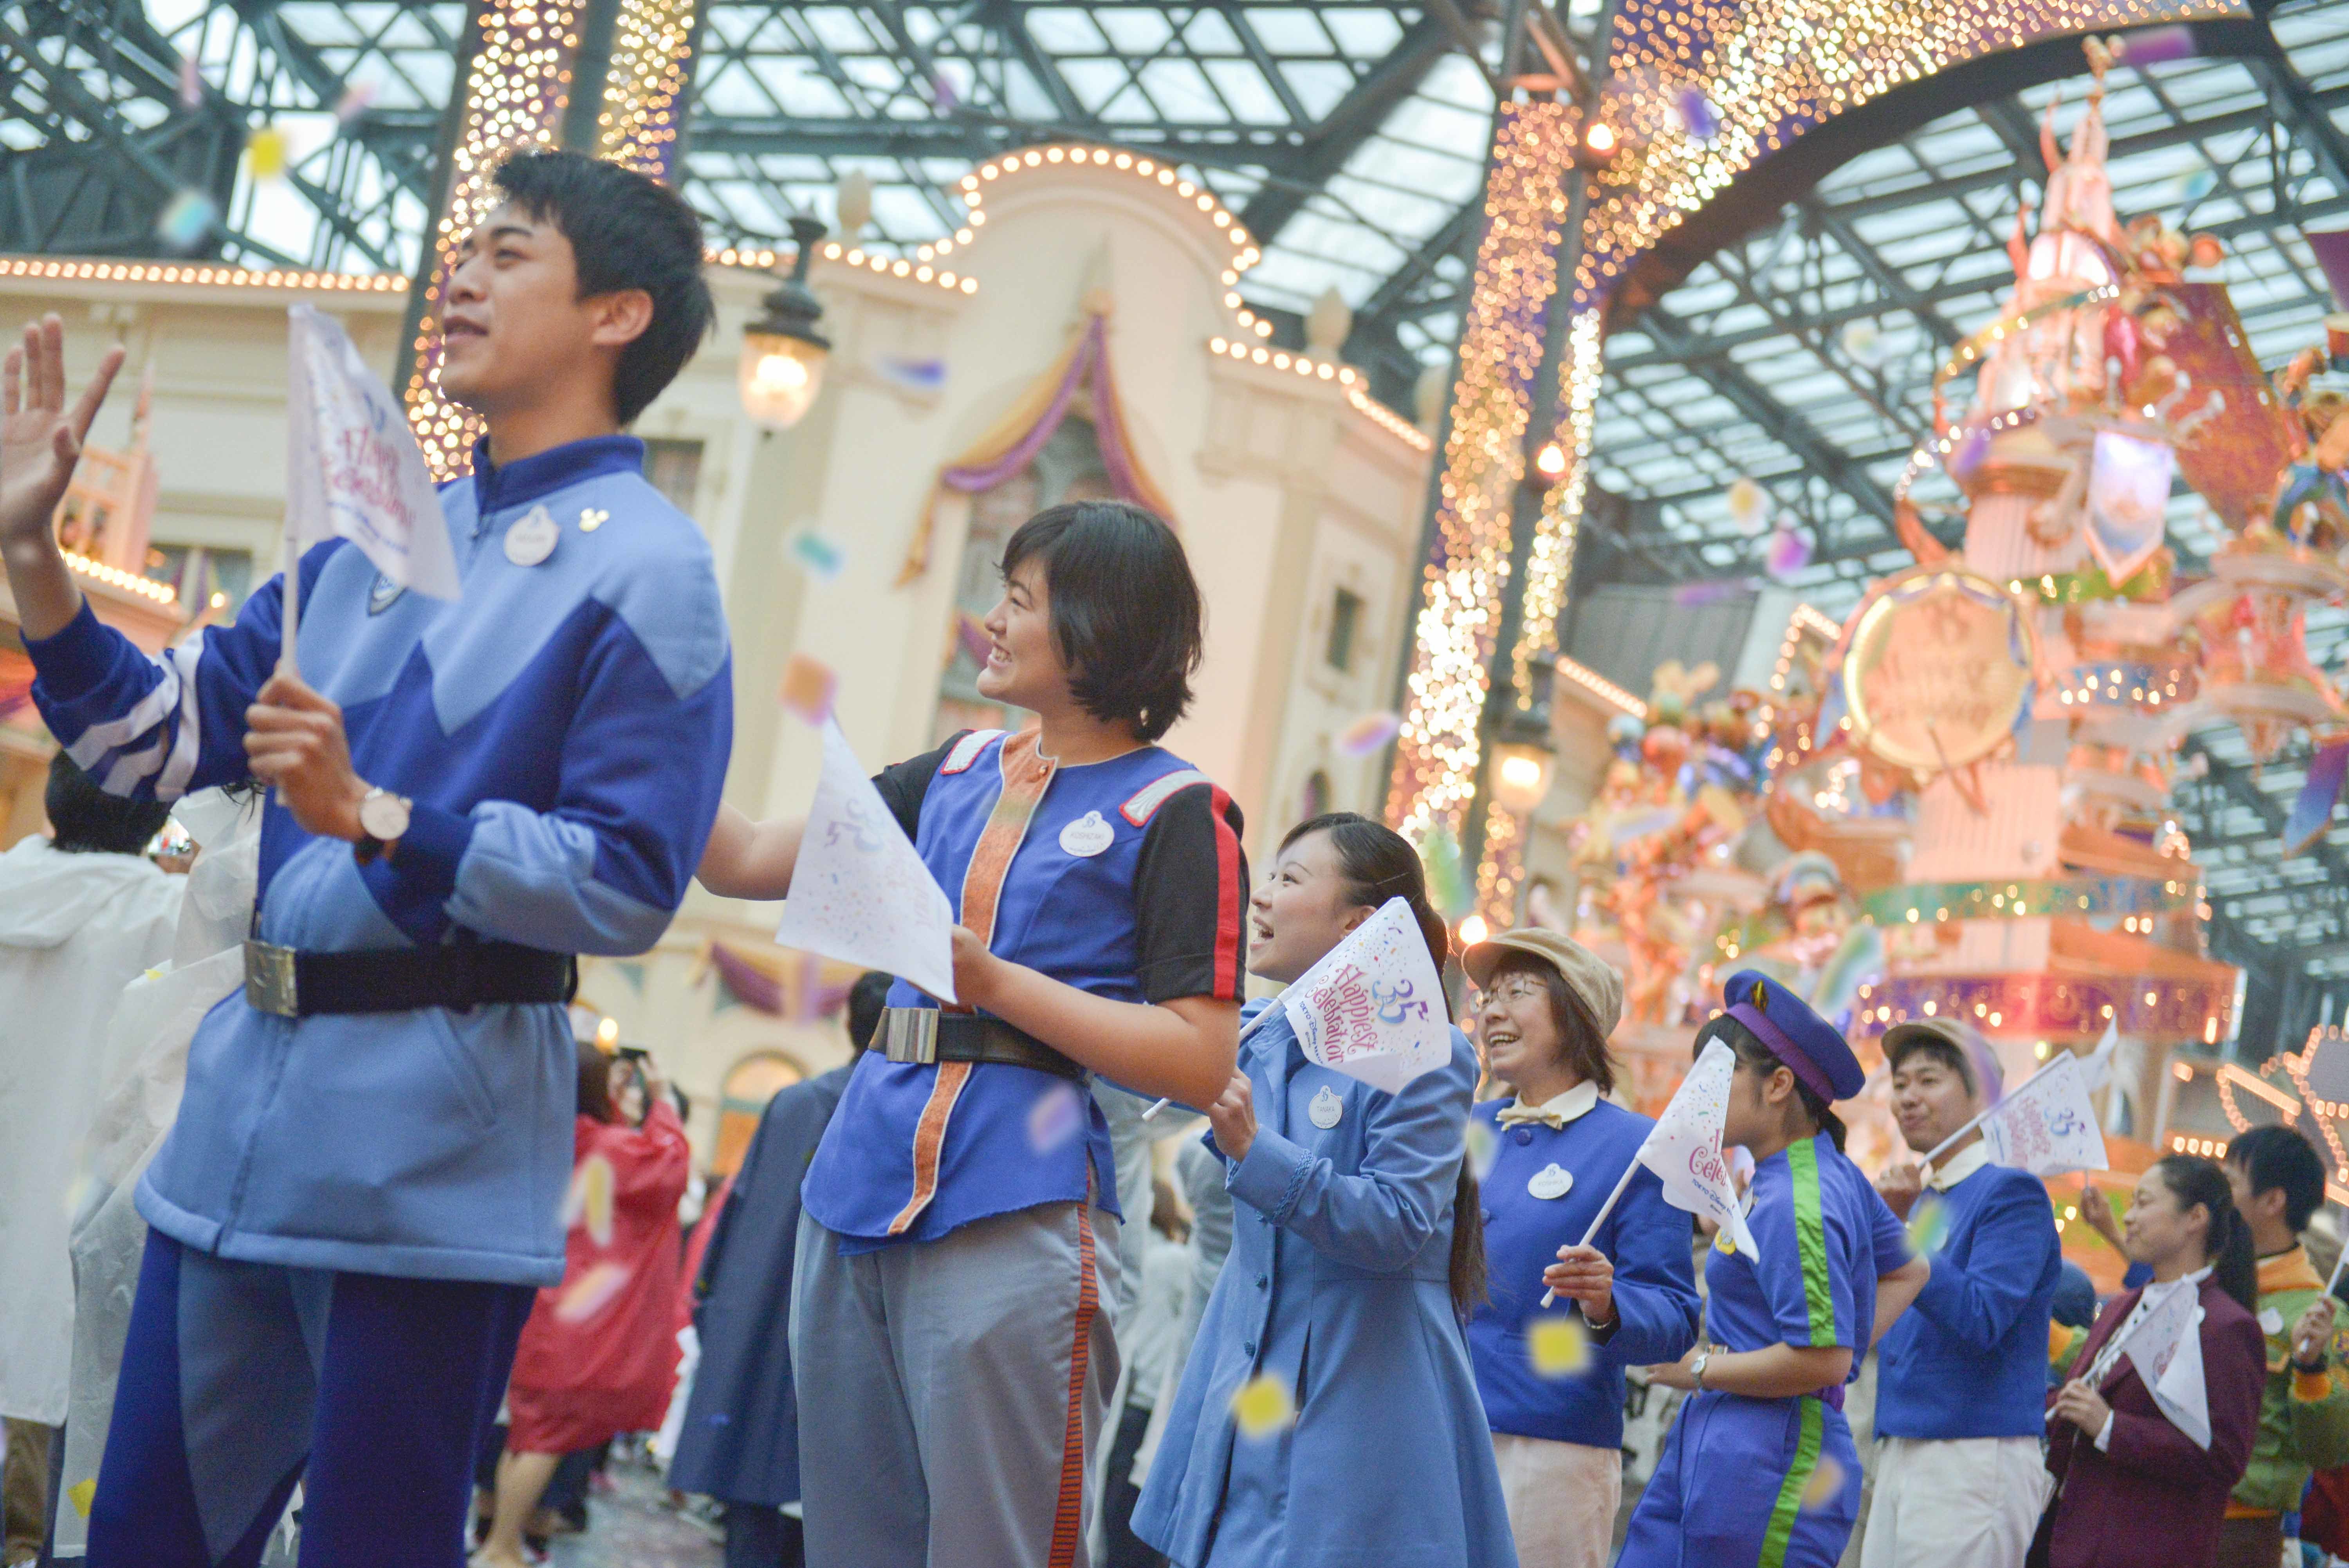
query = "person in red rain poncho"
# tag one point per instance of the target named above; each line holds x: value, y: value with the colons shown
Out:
x: 599, y: 1354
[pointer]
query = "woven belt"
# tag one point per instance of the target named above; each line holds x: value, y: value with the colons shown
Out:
x: 291, y: 984
x: 925, y: 1035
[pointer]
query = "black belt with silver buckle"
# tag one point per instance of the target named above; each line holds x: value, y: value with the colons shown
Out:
x: 291, y: 984
x: 925, y: 1035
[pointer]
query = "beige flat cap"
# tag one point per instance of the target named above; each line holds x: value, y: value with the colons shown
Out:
x: 1590, y: 977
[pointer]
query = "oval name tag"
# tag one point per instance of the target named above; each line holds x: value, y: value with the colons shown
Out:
x: 1552, y: 1180
x: 533, y: 539
x: 2270, y: 1321
x: 1087, y: 836
x: 1326, y: 1108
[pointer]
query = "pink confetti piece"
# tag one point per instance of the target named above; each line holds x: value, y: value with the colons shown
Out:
x: 1367, y: 735
x: 591, y: 1292
x: 192, y: 83
x: 355, y: 102
x: 972, y: 633
x: 1790, y: 552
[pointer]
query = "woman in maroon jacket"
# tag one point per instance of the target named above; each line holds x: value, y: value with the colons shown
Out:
x: 2132, y: 1490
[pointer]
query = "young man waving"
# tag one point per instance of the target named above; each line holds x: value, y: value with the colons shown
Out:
x: 362, y: 1189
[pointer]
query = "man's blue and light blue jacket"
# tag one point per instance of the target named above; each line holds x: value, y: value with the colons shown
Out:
x: 563, y: 730
x: 1970, y: 1359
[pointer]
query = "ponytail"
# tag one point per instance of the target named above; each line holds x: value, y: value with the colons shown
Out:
x: 1378, y: 864
x: 2227, y: 1245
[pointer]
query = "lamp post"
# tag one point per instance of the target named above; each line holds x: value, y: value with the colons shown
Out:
x: 783, y: 355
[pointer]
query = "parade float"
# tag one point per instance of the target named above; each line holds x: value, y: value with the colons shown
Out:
x: 1961, y: 807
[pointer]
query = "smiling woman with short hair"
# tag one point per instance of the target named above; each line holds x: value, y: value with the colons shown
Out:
x: 1559, y: 1147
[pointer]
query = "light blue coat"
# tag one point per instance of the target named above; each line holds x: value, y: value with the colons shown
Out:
x: 1338, y: 1286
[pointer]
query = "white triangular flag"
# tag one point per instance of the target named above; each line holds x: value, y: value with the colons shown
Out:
x: 1374, y: 1007
x: 1683, y: 1149
x: 353, y: 468
x: 2097, y: 1070
x: 2166, y: 1348
x: 2048, y: 1126
x: 860, y: 892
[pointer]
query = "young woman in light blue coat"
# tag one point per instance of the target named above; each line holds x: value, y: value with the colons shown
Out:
x: 1343, y: 1295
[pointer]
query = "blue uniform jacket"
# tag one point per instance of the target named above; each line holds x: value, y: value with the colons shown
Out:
x: 1337, y: 1285
x: 1970, y: 1360
x: 1645, y: 1237
x: 563, y: 730
x: 740, y: 1441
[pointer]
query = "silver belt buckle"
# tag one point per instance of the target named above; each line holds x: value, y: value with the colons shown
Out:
x: 269, y: 979
x: 910, y: 1034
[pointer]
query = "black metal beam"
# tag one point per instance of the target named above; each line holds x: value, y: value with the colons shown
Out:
x: 1353, y: 121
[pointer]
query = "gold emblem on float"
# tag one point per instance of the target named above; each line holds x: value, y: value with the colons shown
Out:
x: 1936, y: 668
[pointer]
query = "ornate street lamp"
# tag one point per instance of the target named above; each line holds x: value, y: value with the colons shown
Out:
x: 783, y: 355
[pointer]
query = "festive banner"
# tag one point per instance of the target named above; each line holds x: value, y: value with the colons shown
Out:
x: 1374, y: 1007
x: 2048, y: 1126
x: 860, y: 893
x: 1683, y: 1149
x: 2166, y: 1348
x: 353, y: 469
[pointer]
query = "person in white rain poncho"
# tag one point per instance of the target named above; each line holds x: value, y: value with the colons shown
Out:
x: 139, y: 1074
x: 79, y: 916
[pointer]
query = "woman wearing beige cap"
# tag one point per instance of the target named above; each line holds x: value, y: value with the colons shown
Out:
x: 1559, y: 1148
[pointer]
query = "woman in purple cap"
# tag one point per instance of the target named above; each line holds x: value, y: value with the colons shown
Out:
x: 1759, y: 1470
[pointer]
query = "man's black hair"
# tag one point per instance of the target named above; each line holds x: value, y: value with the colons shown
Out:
x: 2279, y: 1157
x: 626, y: 231
x: 90, y: 821
x: 866, y: 998
x: 1126, y: 616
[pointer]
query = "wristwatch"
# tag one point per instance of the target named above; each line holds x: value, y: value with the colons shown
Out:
x: 383, y: 818
x: 1696, y: 1368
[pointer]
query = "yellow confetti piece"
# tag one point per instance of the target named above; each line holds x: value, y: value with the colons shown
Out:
x: 81, y: 1491
x: 1263, y: 1407
x: 588, y: 1201
x: 591, y: 1292
x: 1826, y: 1485
x: 1929, y: 1226
x: 1558, y: 1347
x: 265, y: 152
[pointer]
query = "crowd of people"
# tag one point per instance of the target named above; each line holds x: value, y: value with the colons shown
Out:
x: 406, y: 1238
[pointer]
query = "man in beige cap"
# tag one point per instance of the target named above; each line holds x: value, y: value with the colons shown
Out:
x: 1962, y: 1382
x: 1627, y: 1298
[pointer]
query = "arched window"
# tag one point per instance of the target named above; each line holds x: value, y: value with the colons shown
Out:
x: 750, y: 1085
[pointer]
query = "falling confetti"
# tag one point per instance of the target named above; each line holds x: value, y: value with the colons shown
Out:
x: 1790, y: 552
x: 819, y: 556
x: 1864, y: 341
x: 1367, y: 735
x: 1696, y: 596
x: 354, y: 102
x: 588, y: 1200
x: 265, y: 152
x: 184, y: 222
x: 1481, y: 1146
x: 82, y: 1492
x: 1263, y: 1407
x: 1826, y: 1485
x: 591, y: 1292
x: 1749, y: 505
x: 192, y: 83
x: 913, y: 375
x: 1929, y: 1226
x: 807, y: 687
x: 1698, y: 117
x: 1558, y: 1347
x: 1054, y: 1119
x: 972, y: 634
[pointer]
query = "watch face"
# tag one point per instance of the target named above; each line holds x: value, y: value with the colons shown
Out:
x: 384, y: 816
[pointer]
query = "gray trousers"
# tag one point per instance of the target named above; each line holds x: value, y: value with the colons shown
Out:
x: 951, y: 1392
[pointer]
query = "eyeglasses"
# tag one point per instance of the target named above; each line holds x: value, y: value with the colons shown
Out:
x: 1513, y: 991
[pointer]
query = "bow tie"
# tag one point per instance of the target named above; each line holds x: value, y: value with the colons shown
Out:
x: 1516, y: 1112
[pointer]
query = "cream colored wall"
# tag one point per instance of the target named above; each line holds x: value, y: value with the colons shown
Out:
x: 1281, y: 489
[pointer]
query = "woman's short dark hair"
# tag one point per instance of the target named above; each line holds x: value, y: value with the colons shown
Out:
x: 1751, y: 1053
x: 594, y: 1081
x: 626, y: 231
x: 1126, y: 616
x: 2196, y: 1182
x: 1579, y: 1045
x: 89, y: 820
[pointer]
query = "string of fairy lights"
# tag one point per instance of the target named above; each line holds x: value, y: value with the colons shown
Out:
x: 1437, y: 746
x: 1696, y: 93
x: 515, y: 94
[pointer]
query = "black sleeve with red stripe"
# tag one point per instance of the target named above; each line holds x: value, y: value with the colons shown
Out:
x: 1190, y: 893
x: 904, y: 784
